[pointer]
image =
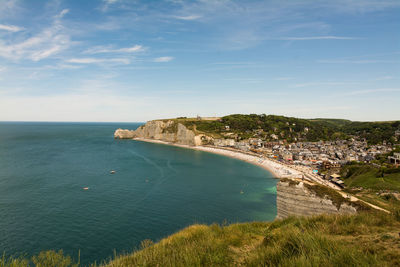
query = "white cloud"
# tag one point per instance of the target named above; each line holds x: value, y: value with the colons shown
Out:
x: 189, y: 17
x: 163, y: 59
x: 62, y: 13
x: 98, y: 60
x: 105, y: 49
x: 10, y: 28
x: 135, y: 48
x: 46, y: 43
x: 316, y: 38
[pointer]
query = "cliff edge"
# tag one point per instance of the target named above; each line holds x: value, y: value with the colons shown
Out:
x: 163, y: 130
x: 301, y: 198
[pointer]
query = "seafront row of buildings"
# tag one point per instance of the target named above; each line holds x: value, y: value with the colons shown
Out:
x: 324, y: 157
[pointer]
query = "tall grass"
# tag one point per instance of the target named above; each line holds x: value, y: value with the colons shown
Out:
x: 49, y: 258
x: 365, y: 239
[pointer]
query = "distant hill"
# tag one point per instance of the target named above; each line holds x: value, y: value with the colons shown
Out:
x: 273, y: 127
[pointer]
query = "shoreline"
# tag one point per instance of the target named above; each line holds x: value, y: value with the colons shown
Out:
x: 278, y: 170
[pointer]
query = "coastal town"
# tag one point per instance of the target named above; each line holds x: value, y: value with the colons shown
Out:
x: 318, y: 161
x: 322, y: 159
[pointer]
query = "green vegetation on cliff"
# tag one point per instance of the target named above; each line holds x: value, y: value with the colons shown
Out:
x: 371, y: 177
x: 292, y: 129
x: 366, y: 239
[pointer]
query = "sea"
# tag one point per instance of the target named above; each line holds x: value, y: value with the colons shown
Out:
x: 58, y: 192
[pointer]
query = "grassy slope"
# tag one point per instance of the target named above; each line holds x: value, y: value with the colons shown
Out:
x: 368, y: 177
x: 366, y: 239
x: 369, y: 180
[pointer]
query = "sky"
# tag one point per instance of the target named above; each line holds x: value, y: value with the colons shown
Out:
x: 127, y: 60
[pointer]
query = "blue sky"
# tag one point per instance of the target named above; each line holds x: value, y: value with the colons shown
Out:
x: 120, y: 60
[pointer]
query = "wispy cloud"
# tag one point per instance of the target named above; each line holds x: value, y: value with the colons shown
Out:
x: 103, y: 49
x: 284, y: 78
x: 62, y: 13
x: 8, y: 7
x: 361, y: 61
x: 188, y: 17
x: 362, y: 6
x: 372, y: 91
x: 107, y: 4
x: 98, y: 60
x: 308, y: 38
x: 234, y: 63
x: 10, y: 28
x: 110, y: 1
x: 42, y: 45
x: 312, y: 84
x: 245, y: 80
x: 163, y: 59
x: 384, y: 78
x: 2, y: 69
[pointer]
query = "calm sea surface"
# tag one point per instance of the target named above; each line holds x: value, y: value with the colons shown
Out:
x: 156, y: 190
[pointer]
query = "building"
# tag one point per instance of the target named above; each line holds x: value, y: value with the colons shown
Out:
x: 335, y: 178
x: 395, y: 159
x: 287, y: 156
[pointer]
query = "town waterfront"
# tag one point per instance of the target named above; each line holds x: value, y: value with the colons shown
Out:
x: 155, y: 191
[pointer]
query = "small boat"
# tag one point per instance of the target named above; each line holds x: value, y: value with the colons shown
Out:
x: 112, y: 172
x: 241, y: 192
x: 86, y: 188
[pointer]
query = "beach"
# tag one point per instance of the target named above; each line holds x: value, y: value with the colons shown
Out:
x: 277, y: 169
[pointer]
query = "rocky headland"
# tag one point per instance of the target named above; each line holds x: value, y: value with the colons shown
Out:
x: 163, y: 130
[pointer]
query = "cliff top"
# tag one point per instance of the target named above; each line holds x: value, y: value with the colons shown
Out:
x: 326, y: 192
x: 366, y: 239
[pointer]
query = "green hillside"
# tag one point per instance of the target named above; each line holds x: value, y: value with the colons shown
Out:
x: 370, y: 177
x: 294, y: 129
x: 366, y: 239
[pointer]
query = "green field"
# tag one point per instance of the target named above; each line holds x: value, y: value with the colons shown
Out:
x: 369, y: 180
x: 368, y: 177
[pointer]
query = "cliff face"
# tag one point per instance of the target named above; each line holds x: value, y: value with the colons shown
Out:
x: 168, y: 131
x: 300, y: 199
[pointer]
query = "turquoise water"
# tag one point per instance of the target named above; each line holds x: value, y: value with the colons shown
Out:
x: 156, y: 190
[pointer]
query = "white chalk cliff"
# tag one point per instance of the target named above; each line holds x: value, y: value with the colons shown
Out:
x: 297, y: 199
x: 168, y: 131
